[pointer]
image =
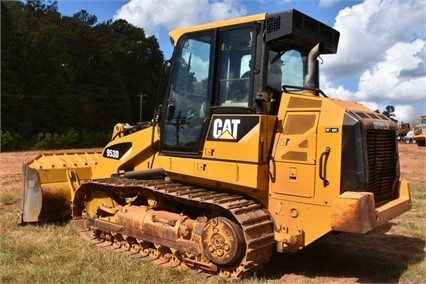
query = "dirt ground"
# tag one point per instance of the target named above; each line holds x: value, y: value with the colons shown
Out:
x: 413, y: 162
x: 315, y: 264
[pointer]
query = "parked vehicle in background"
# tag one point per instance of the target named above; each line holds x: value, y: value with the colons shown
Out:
x: 409, y: 137
x: 420, y: 131
x: 403, y: 129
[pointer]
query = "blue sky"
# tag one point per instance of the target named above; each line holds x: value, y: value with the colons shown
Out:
x: 381, y: 56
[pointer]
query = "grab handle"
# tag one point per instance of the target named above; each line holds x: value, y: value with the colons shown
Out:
x: 323, y: 166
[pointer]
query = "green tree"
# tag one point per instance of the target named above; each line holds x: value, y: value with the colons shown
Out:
x: 85, y: 17
x: 61, y: 73
x: 137, y: 59
x: 390, y: 112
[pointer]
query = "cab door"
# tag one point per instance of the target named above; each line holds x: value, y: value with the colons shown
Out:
x: 189, y: 95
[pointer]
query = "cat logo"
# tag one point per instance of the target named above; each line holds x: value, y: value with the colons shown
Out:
x: 226, y: 129
x: 231, y: 128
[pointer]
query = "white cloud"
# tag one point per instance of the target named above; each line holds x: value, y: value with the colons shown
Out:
x: 370, y: 28
x: 386, y: 79
x: 154, y: 15
x: 334, y: 91
x: 406, y: 113
x: 383, y: 46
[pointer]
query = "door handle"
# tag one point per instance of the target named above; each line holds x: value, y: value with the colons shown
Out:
x: 171, y: 106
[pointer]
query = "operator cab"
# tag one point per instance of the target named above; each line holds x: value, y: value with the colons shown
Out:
x: 235, y: 67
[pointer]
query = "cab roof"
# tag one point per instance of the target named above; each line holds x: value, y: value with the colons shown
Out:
x: 178, y: 33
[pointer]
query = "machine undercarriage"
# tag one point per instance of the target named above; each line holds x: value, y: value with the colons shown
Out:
x: 182, y: 225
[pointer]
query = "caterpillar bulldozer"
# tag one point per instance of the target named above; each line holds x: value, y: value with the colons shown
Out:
x: 246, y: 156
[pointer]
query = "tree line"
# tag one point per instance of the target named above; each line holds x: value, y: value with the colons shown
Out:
x: 66, y: 81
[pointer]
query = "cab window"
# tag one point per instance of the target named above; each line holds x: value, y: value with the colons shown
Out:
x: 285, y: 68
x: 235, y: 67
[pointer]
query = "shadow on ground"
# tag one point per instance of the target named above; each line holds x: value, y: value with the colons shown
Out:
x: 375, y: 257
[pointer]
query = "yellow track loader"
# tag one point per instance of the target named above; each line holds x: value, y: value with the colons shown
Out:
x: 247, y: 156
x: 420, y: 131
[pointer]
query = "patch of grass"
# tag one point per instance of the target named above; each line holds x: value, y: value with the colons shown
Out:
x: 410, y: 223
x: 415, y: 273
x: 10, y: 183
x: 8, y: 198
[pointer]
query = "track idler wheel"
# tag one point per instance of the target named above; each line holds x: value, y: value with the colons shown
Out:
x: 223, y: 241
